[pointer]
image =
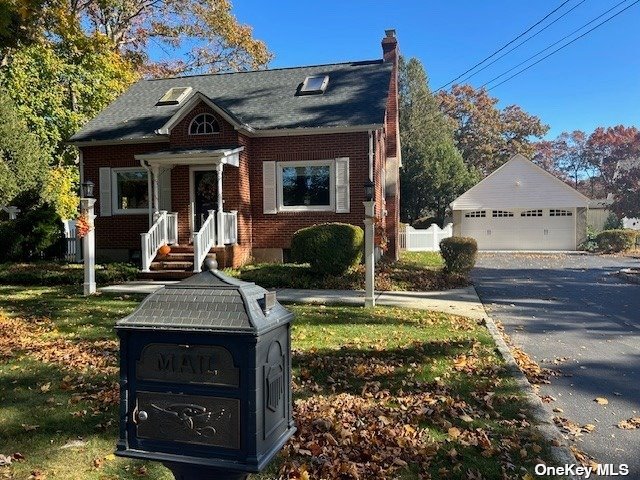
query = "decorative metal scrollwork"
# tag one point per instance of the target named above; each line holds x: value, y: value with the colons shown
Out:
x: 195, y: 417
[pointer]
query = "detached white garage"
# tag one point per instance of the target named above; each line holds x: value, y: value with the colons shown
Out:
x: 520, y: 206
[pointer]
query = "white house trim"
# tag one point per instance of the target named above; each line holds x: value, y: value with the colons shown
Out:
x: 192, y: 157
x: 190, y: 105
x: 307, y: 208
x: 114, y: 192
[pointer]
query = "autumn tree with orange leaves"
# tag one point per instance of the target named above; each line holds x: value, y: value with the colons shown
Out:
x: 486, y: 135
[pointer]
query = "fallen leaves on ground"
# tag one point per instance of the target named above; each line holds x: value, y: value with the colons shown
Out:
x: 368, y: 414
x: 571, y: 428
x: 82, y: 359
x: 630, y: 423
x: 534, y: 372
x: 601, y: 401
x: 584, y: 458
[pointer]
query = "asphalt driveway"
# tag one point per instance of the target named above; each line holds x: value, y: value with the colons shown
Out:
x: 571, y: 315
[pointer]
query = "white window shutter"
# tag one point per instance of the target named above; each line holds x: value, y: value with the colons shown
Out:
x: 105, y: 192
x: 342, y: 185
x: 269, y: 187
x: 165, y: 189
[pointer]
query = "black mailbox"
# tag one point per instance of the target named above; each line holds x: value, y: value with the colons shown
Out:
x: 205, y: 378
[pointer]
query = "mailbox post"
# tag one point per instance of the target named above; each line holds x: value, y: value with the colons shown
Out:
x: 205, y: 378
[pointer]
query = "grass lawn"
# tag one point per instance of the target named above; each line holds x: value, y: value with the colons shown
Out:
x: 389, y: 393
x: 415, y: 271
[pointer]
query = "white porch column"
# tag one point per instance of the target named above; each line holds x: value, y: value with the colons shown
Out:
x: 369, y: 255
x: 149, y: 194
x: 220, y: 213
x: 89, y: 247
x: 156, y: 187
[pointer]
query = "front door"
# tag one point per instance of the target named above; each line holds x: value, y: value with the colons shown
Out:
x: 205, y: 195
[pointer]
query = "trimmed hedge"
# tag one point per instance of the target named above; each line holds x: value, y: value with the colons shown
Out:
x: 330, y: 248
x: 425, y: 222
x: 612, y: 241
x: 57, y: 273
x: 459, y: 254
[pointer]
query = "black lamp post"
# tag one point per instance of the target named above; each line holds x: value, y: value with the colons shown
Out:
x: 87, y: 189
x: 368, y: 190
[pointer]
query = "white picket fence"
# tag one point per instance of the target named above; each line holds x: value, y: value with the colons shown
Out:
x: 427, y: 240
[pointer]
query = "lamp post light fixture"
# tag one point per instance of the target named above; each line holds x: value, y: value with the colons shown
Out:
x: 369, y: 251
x: 368, y: 190
x: 87, y: 203
x: 87, y: 189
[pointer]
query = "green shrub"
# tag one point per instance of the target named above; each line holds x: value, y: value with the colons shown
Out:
x: 612, y: 222
x: 330, y: 248
x: 459, y: 254
x: 36, y: 234
x: 425, y: 222
x: 612, y: 241
x: 590, y: 244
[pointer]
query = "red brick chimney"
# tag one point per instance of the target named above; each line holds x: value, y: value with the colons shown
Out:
x: 390, y: 54
x: 392, y: 161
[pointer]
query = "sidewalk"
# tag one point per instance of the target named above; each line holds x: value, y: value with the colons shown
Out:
x: 459, y: 301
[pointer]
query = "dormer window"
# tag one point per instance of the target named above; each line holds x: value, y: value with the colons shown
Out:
x: 204, y: 124
x: 315, y: 85
x: 174, y: 96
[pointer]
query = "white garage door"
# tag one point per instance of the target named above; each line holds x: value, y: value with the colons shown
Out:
x: 536, y: 229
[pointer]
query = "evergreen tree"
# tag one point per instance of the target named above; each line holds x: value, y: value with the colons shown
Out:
x: 433, y: 172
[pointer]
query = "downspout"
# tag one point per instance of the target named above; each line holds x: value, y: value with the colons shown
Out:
x: 371, y: 155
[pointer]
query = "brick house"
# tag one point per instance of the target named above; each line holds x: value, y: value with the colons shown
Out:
x: 235, y: 163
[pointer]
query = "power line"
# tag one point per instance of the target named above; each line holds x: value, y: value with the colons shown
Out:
x: 553, y: 44
x: 507, y: 44
x: 524, y: 41
x: 560, y: 48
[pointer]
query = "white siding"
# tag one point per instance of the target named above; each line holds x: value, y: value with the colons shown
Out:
x: 519, y: 184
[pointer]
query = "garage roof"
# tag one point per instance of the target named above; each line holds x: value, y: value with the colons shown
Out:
x: 519, y: 183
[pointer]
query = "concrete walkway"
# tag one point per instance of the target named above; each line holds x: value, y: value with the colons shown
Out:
x: 459, y: 301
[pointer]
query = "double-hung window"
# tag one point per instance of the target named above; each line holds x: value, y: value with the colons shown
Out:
x: 129, y: 190
x: 306, y: 185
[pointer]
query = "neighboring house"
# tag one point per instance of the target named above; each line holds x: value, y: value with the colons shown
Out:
x: 520, y: 206
x: 243, y: 160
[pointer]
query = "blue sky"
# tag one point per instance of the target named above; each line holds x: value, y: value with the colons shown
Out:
x: 593, y: 82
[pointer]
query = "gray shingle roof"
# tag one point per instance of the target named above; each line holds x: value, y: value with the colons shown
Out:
x: 263, y: 100
x: 208, y: 301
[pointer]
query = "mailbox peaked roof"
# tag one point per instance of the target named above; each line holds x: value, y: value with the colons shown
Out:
x: 211, y: 302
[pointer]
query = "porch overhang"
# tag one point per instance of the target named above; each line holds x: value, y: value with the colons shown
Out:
x: 201, y: 156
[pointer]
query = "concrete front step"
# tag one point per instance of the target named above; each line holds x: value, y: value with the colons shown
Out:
x: 172, y: 265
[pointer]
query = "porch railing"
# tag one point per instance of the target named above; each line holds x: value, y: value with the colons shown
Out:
x: 203, y: 240
x: 163, y: 231
x: 230, y: 227
x: 172, y: 228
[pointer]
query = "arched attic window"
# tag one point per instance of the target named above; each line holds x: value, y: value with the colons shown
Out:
x: 204, y: 124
